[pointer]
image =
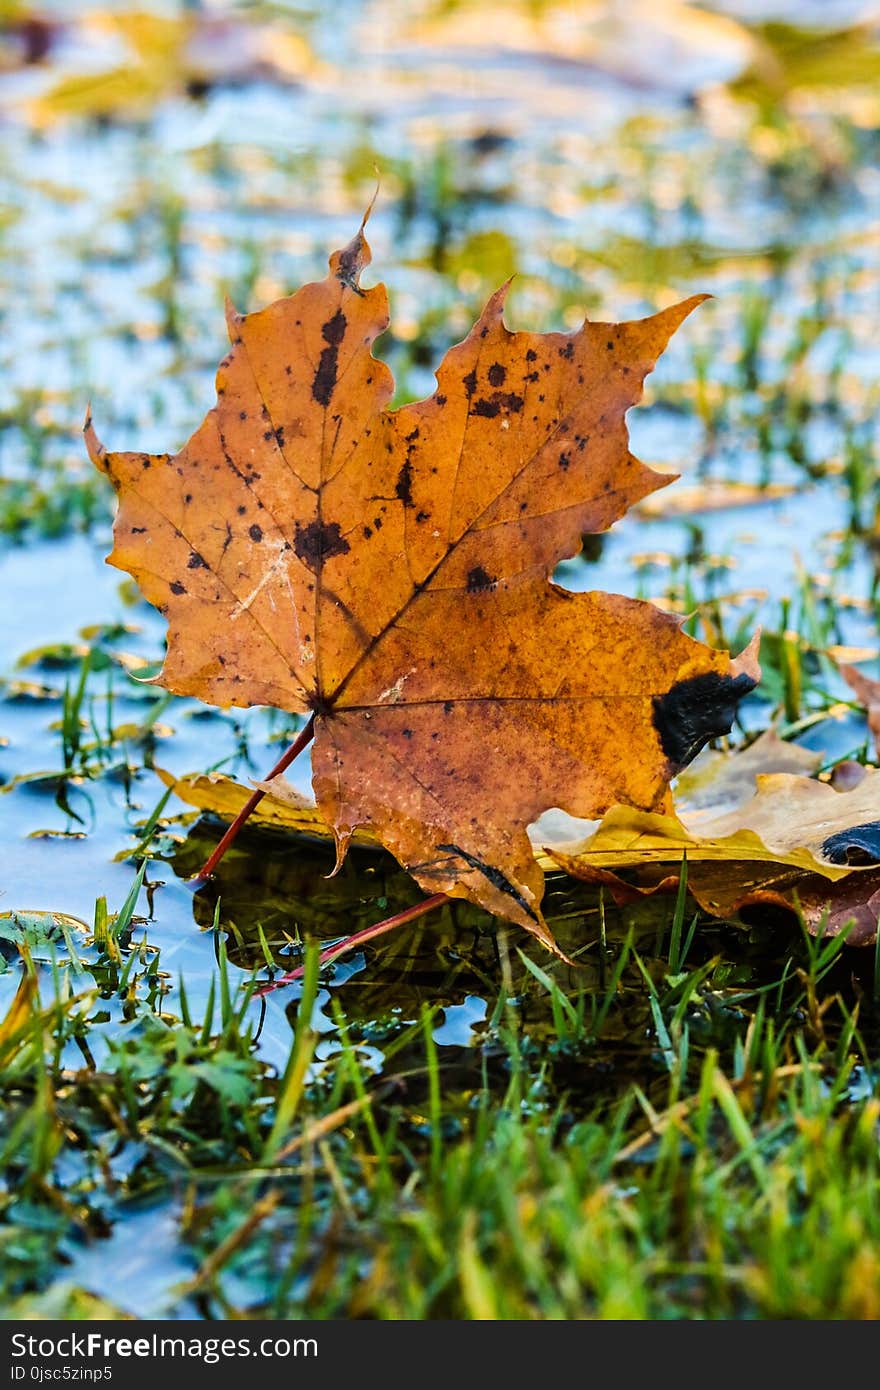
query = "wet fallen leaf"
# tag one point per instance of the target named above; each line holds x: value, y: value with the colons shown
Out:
x: 162, y: 54
x: 716, y: 495
x: 388, y: 572
x: 658, y: 44
x: 721, y: 780
x: 222, y: 795
x: 797, y: 843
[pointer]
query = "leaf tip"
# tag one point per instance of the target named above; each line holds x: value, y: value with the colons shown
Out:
x: 233, y: 317
x: 96, y: 451
x: 746, y: 664
x: 493, y: 311
x: 343, y: 840
x: 372, y: 203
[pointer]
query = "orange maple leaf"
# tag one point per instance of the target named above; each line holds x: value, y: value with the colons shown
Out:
x: 389, y: 572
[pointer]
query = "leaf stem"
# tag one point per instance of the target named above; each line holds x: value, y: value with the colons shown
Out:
x: 302, y: 740
x: 358, y: 938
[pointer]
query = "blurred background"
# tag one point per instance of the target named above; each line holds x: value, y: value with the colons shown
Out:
x: 613, y: 155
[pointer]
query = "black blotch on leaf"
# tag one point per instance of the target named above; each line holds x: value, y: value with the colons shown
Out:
x: 176, y: 587
x: 333, y: 330
x: 478, y: 580
x: 697, y: 710
x: 325, y: 377
x: 318, y: 541
x: 333, y: 333
x: 497, y: 374
x: 859, y: 844
x: 255, y: 532
x: 403, y: 486
x: 196, y: 561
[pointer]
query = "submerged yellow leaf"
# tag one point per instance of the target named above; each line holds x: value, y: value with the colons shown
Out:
x: 213, y: 791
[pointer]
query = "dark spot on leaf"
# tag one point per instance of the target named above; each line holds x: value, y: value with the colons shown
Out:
x: 487, y: 408
x: 609, y: 345
x: 176, y: 587
x: 188, y: 498
x: 368, y: 531
x: 403, y: 486
x: 497, y: 374
x: 318, y: 541
x: 255, y: 532
x: 564, y: 461
x: 242, y: 415
x: 325, y: 377
x: 567, y: 352
x: 511, y: 401
x: 407, y: 733
x: 859, y: 844
x: 423, y: 516
x: 333, y: 331
x: 531, y: 355
x: 447, y: 706
x: 469, y: 383
x: 478, y: 580
x: 196, y: 561
x: 697, y: 710
x: 242, y: 510
x: 267, y: 435
x: 441, y: 401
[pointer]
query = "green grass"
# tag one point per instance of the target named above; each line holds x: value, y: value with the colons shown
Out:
x: 728, y: 1168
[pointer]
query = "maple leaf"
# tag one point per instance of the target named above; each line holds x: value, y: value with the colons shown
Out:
x: 389, y: 572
